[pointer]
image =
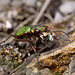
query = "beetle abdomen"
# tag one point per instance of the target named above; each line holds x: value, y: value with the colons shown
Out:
x: 23, y: 30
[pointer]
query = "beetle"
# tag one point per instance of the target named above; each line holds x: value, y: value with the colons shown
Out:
x: 30, y: 31
x: 25, y: 33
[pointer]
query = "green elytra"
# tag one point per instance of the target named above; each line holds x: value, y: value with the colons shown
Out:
x: 26, y: 29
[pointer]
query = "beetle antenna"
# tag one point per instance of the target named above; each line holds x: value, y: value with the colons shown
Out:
x: 60, y: 36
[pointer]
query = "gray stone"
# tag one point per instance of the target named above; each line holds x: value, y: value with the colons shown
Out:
x: 45, y: 71
x: 58, y: 17
x: 35, y: 71
x: 30, y: 2
x: 72, y: 67
x: 16, y: 3
x: 3, y: 72
x: 4, y: 4
x: 32, y: 71
x: 67, y: 7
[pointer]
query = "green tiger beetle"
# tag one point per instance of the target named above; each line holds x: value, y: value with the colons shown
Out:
x: 26, y: 33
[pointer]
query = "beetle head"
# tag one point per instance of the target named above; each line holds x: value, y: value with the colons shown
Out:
x: 48, y: 29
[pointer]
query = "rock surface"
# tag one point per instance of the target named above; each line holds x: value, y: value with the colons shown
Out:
x: 72, y: 67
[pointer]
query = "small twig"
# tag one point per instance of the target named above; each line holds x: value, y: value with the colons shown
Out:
x: 27, y: 20
x: 17, y: 68
x: 49, y: 17
x: 50, y: 45
x: 71, y: 30
x: 44, y: 6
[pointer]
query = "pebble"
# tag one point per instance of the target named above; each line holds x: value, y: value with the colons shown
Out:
x: 72, y: 67
x: 35, y: 71
x: 4, y: 4
x: 30, y: 2
x: 67, y: 7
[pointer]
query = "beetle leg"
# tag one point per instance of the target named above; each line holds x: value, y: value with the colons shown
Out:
x: 35, y: 53
x: 24, y: 40
x: 8, y: 38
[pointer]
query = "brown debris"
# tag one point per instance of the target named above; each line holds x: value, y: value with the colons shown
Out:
x: 57, y: 58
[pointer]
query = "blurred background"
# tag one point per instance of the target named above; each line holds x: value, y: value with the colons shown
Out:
x: 58, y: 14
